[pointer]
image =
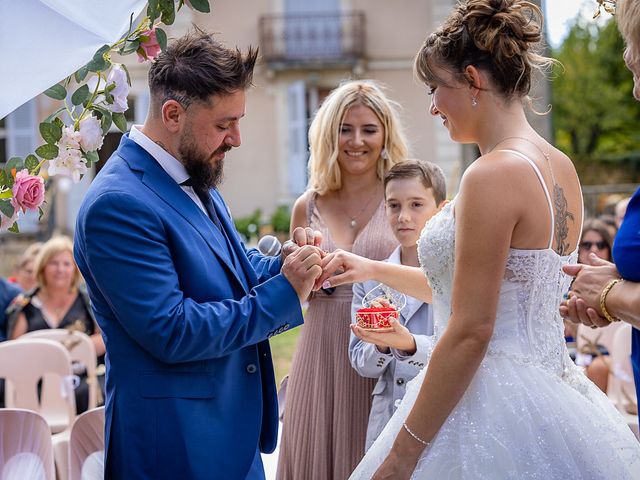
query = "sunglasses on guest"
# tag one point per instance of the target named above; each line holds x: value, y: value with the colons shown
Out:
x: 589, y: 245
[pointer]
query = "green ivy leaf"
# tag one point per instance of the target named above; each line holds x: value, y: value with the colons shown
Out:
x: 58, y: 122
x: 50, y: 132
x: 4, y: 180
x: 81, y: 74
x: 9, y: 178
x: 47, y: 151
x: 120, y: 121
x: 54, y: 114
x: 105, y: 122
x: 14, y: 228
x: 81, y: 95
x: 57, y: 92
x: 108, y: 98
x: 126, y: 70
x: 200, y: 5
x: 31, y: 163
x: 6, y: 208
x: 40, y: 213
x: 153, y: 10
x: 130, y: 47
x: 98, y: 63
x: 168, y: 9
x: 92, y: 157
x: 14, y: 162
x: 161, y: 37
x: 7, y: 194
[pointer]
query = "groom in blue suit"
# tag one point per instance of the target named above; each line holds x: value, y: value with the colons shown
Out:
x: 184, y: 308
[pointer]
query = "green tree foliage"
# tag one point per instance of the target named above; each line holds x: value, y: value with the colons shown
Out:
x: 596, y: 118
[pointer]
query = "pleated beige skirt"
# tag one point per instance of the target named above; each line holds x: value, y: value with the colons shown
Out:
x: 328, y: 403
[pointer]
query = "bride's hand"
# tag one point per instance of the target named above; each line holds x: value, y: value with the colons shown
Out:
x: 340, y: 267
x: 393, y: 468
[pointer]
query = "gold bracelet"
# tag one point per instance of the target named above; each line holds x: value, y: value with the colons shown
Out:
x: 603, y: 298
x: 415, y: 437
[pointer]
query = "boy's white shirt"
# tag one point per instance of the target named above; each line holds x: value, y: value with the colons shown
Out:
x: 393, y: 369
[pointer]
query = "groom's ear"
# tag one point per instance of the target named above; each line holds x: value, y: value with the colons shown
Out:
x: 173, y: 115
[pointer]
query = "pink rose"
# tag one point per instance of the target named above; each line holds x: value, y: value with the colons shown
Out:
x: 28, y: 191
x: 149, y: 47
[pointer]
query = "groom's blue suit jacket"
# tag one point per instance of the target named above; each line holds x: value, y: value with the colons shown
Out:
x: 190, y: 384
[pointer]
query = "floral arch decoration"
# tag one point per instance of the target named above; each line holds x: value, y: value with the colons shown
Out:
x: 74, y: 132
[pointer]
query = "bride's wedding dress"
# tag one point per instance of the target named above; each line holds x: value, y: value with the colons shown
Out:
x: 529, y: 412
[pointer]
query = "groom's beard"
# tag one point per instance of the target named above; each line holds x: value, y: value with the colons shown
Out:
x: 205, y: 172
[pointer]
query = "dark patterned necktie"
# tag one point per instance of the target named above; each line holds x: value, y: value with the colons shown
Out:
x: 206, y: 200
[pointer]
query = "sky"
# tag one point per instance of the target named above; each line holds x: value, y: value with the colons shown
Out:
x: 560, y: 14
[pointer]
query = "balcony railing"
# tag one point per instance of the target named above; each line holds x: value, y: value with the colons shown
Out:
x: 313, y: 39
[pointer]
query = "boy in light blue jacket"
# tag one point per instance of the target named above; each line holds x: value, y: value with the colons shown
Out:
x: 414, y: 192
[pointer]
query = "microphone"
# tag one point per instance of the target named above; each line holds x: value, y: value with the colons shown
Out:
x: 269, y: 246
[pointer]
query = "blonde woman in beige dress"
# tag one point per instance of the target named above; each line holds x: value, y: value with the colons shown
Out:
x: 354, y: 139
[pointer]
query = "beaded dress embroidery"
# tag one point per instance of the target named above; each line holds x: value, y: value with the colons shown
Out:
x: 529, y: 411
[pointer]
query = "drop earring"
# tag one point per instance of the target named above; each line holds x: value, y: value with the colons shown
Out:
x: 384, y: 154
x: 474, y: 102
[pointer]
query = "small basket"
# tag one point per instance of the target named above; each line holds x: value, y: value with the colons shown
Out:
x: 378, y: 319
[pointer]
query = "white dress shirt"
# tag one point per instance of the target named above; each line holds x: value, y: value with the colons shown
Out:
x: 168, y: 162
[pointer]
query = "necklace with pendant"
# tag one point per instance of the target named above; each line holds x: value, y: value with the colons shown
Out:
x: 353, y: 218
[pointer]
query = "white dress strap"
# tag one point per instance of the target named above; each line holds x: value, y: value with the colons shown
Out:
x: 544, y: 186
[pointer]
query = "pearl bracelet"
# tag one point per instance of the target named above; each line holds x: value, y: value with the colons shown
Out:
x: 414, y: 435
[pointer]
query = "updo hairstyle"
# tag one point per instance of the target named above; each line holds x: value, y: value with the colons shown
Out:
x: 500, y: 37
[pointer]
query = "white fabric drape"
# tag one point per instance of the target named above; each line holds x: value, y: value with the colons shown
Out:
x: 44, y: 41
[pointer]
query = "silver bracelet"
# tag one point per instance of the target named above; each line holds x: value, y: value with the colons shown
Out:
x: 414, y: 435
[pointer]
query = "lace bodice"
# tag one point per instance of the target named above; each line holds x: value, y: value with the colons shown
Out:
x: 528, y: 327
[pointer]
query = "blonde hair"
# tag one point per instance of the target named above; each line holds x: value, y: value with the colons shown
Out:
x: 324, y: 132
x: 48, y: 250
x: 29, y: 255
x: 628, y: 17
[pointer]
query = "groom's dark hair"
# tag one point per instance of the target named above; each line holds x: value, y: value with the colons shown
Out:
x: 195, y: 67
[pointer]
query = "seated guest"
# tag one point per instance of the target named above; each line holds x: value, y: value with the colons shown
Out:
x: 414, y: 192
x: 57, y: 302
x: 24, y: 272
x: 611, y: 223
x: 8, y: 292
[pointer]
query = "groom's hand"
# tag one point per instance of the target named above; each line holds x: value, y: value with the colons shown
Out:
x: 302, y: 268
x: 299, y: 238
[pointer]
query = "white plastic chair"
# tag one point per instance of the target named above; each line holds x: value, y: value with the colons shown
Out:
x: 86, y: 447
x: 23, y: 363
x: 81, y: 350
x: 621, y: 386
x: 25, y: 446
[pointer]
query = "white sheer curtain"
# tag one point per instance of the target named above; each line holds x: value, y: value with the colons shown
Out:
x: 43, y: 41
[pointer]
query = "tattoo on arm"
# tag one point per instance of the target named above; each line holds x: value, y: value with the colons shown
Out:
x: 562, y: 216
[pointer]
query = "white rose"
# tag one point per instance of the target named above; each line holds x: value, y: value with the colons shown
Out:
x: 118, y: 76
x: 70, y: 163
x: 70, y: 139
x: 90, y: 134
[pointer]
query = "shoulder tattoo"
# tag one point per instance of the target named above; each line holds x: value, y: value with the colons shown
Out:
x: 562, y: 217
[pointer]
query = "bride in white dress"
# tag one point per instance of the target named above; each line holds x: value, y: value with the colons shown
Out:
x: 500, y: 397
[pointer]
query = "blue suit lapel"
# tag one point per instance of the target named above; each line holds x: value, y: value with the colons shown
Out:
x: 234, y: 242
x: 154, y: 177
